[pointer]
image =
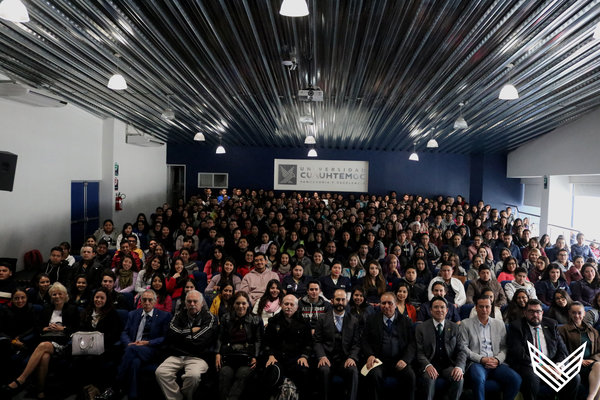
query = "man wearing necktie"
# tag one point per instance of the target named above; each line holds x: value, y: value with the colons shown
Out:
x: 387, y: 337
x: 441, y: 352
x: 337, y: 346
x: 143, y: 335
x: 543, y: 334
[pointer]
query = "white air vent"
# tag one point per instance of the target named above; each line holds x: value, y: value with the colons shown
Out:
x: 217, y: 180
x: 33, y: 97
x: 135, y: 137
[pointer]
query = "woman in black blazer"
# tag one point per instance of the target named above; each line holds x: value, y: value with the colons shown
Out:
x: 99, y: 316
x: 55, y: 326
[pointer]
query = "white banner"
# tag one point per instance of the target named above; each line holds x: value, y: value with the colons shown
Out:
x: 321, y: 175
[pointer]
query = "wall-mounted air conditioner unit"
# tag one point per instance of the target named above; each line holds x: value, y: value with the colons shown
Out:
x: 33, y: 97
x: 133, y: 136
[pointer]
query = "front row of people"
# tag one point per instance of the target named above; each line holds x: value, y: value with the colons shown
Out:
x: 435, y: 354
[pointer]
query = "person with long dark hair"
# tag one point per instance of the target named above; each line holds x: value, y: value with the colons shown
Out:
x: 164, y: 302
x: 353, y: 269
x: 126, y: 275
x: 226, y: 276
x: 296, y: 283
x: 240, y: 336
x: 125, y: 233
x: 153, y: 265
x: 222, y: 303
x: 17, y: 322
x: 373, y: 283
x: 358, y: 305
x: 80, y: 291
x: 99, y: 316
x: 403, y: 303
x: 215, y: 264
x: 38, y: 294
x: 516, y: 306
x: 177, y: 279
x: 552, y: 280
x: 559, y: 309
x: 424, y: 275
x: 270, y: 302
x: 586, y: 289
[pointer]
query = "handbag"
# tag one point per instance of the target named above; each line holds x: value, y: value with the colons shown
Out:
x: 87, y: 343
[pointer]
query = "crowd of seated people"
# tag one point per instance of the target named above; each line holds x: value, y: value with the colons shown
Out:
x: 299, y: 288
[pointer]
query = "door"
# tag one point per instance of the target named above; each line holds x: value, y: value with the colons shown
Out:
x: 85, y: 212
x: 175, y: 183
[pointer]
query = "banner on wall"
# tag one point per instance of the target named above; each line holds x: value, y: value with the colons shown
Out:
x: 321, y: 175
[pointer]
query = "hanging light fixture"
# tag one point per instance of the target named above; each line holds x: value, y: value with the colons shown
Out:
x: 168, y: 114
x: 117, y: 81
x: 294, y: 8
x: 199, y: 137
x: 14, y: 11
x: 414, y: 156
x: 431, y: 144
x: 312, y: 153
x: 220, y: 148
x: 460, y: 122
x: 509, y: 91
x: 597, y: 32
x: 310, y: 139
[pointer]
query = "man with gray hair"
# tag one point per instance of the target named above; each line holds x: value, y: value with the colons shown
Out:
x: 143, y: 335
x: 191, y: 340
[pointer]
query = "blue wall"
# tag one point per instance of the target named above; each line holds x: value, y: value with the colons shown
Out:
x: 499, y: 190
x: 435, y: 173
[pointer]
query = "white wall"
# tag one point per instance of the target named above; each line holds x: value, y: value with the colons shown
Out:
x: 142, y: 175
x: 571, y: 149
x: 56, y: 146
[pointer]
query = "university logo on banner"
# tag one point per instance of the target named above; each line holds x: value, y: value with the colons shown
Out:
x: 311, y: 174
x: 556, y: 375
x: 288, y: 174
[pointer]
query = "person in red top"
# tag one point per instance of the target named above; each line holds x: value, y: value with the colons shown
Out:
x: 574, y: 272
x: 126, y: 250
x: 403, y: 304
x: 215, y: 264
x: 247, y: 265
x: 177, y: 280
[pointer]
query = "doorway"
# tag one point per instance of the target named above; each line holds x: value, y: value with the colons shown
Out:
x: 175, y: 183
x: 85, y: 212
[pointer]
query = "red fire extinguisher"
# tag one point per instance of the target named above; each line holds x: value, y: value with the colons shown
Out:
x: 119, y: 197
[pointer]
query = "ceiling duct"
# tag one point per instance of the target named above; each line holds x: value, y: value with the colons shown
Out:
x: 23, y: 94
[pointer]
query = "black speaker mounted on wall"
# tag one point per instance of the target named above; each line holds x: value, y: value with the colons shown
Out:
x: 8, y: 165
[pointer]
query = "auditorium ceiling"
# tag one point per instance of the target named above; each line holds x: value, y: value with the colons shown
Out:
x: 392, y: 72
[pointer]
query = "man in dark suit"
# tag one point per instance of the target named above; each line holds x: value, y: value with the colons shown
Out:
x: 337, y: 345
x: 441, y: 354
x: 543, y: 333
x: 144, y: 332
x: 387, y: 337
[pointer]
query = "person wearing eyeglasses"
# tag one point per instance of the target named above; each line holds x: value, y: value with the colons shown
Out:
x: 143, y: 335
x: 543, y: 334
